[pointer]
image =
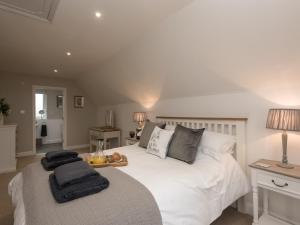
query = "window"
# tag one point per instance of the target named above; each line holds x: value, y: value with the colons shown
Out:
x: 38, y: 9
x: 40, y: 106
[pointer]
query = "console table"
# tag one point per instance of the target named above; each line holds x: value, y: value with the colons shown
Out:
x: 105, y: 134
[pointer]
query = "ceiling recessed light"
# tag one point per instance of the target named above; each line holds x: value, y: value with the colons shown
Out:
x: 55, y: 71
x: 98, y: 14
x: 68, y: 53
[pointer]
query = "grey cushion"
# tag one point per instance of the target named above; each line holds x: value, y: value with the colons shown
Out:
x: 147, y: 131
x: 184, y: 144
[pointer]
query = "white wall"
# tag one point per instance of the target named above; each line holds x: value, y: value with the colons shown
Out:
x: 53, y: 112
x: 261, y: 142
x: 17, y: 89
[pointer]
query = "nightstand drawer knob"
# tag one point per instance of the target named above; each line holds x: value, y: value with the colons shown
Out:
x: 280, y: 185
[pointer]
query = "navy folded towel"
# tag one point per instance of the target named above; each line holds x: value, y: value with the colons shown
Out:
x: 51, y: 165
x: 60, y: 154
x: 73, y: 173
x: 44, y: 130
x: 91, y: 185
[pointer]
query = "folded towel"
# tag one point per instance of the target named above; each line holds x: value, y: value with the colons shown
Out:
x: 44, y: 130
x: 59, y: 154
x: 90, y: 186
x: 73, y: 173
x: 51, y: 165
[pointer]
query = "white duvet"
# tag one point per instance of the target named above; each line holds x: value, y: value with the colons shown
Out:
x: 186, y: 194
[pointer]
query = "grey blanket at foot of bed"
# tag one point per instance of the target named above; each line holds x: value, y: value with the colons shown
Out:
x: 124, y: 202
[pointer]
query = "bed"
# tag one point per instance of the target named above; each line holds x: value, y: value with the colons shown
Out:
x: 185, y: 194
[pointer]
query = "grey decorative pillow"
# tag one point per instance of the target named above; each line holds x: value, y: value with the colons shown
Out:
x: 147, y: 131
x: 184, y: 144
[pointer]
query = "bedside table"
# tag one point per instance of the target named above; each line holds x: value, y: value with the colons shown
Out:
x: 131, y: 141
x: 274, y: 178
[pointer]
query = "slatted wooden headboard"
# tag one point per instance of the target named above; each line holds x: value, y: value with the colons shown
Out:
x: 230, y: 126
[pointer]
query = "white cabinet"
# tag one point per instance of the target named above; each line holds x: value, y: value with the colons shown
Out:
x: 105, y: 134
x: 276, y: 179
x: 7, y: 148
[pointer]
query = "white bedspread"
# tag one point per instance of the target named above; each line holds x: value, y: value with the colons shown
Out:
x: 186, y: 194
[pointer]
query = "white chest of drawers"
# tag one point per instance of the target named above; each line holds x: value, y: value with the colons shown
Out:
x: 8, y: 148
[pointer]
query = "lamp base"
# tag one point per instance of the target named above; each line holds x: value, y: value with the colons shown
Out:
x: 285, y: 165
x: 138, y: 133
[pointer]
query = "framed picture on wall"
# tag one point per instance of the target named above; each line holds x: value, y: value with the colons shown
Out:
x: 59, y: 101
x: 78, y: 101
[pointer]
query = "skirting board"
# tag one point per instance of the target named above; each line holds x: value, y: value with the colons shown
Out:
x: 77, y: 147
x: 8, y: 170
x: 22, y: 154
x: 54, y: 141
x: 30, y: 153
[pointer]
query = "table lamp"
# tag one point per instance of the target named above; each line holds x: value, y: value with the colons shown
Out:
x: 140, y: 118
x: 285, y: 120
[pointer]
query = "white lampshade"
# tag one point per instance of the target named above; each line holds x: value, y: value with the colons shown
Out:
x: 284, y: 119
x: 139, y: 116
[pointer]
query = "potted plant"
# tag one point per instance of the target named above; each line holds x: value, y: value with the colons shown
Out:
x: 4, y: 110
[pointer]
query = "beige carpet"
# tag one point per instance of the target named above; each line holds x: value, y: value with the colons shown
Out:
x: 229, y: 217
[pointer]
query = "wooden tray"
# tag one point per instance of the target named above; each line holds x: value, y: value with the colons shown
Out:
x: 121, y: 163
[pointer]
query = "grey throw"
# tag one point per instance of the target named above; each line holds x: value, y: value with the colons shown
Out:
x: 124, y: 202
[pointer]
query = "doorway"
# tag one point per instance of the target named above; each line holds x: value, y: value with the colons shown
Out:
x: 49, y: 119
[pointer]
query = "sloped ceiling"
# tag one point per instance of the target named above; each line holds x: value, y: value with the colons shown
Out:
x: 33, y: 47
x: 206, y: 47
x: 209, y: 47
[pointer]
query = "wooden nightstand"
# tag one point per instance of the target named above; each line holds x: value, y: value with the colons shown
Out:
x: 274, y: 178
x: 131, y: 141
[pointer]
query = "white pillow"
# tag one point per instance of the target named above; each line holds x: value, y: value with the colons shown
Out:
x: 209, y: 152
x: 221, y: 143
x: 214, y: 144
x: 159, y: 141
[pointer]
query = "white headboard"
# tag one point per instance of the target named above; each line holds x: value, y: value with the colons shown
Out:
x: 229, y: 126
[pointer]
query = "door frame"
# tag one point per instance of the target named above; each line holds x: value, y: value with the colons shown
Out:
x: 65, y: 115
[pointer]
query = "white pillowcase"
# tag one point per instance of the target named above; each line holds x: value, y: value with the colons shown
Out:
x: 170, y: 127
x: 221, y: 143
x: 159, y: 141
x: 214, y: 144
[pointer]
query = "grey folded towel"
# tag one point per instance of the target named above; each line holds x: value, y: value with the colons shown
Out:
x: 60, y: 154
x: 52, y: 164
x: 73, y: 173
x: 90, y: 186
